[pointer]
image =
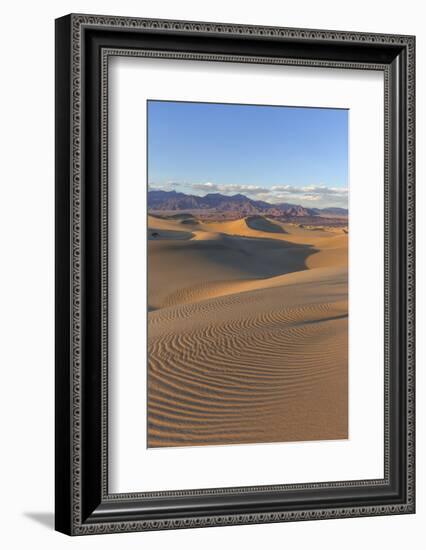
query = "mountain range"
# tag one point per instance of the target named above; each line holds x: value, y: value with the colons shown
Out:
x: 244, y: 206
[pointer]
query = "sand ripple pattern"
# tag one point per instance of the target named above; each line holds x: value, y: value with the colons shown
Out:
x: 247, y: 332
x: 246, y: 378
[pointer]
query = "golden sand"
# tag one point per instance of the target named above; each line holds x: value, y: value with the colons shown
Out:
x: 247, y: 332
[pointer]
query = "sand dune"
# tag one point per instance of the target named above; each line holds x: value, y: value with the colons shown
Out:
x: 181, y: 265
x: 247, y: 333
x: 260, y: 223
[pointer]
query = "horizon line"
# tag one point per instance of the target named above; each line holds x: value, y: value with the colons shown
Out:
x: 290, y: 202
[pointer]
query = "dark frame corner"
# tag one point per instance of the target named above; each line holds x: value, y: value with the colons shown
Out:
x: 83, y: 45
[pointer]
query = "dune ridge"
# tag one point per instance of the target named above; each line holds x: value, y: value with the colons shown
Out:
x: 247, y: 332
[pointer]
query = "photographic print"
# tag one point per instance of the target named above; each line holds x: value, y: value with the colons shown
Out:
x: 234, y: 274
x: 247, y: 273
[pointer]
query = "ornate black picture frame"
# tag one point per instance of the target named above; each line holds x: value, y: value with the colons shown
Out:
x: 84, y: 44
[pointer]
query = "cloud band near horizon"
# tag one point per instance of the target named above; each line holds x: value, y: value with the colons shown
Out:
x: 309, y: 195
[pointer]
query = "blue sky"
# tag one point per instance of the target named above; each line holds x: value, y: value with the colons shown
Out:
x: 277, y: 154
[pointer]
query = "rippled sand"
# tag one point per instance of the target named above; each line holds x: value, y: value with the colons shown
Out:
x: 247, y: 333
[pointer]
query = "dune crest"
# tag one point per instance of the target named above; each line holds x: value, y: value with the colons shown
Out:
x: 260, y: 223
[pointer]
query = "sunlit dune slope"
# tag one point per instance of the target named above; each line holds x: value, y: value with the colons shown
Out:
x: 192, y: 263
x: 264, y: 365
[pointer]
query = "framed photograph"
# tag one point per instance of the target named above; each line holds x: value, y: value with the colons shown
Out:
x: 234, y: 274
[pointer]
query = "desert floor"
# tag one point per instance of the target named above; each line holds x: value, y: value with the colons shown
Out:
x: 247, y: 332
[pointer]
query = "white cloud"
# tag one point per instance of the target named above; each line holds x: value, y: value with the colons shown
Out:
x: 309, y: 195
x: 228, y: 189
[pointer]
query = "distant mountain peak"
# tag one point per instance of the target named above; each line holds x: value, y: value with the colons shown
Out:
x: 241, y: 204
